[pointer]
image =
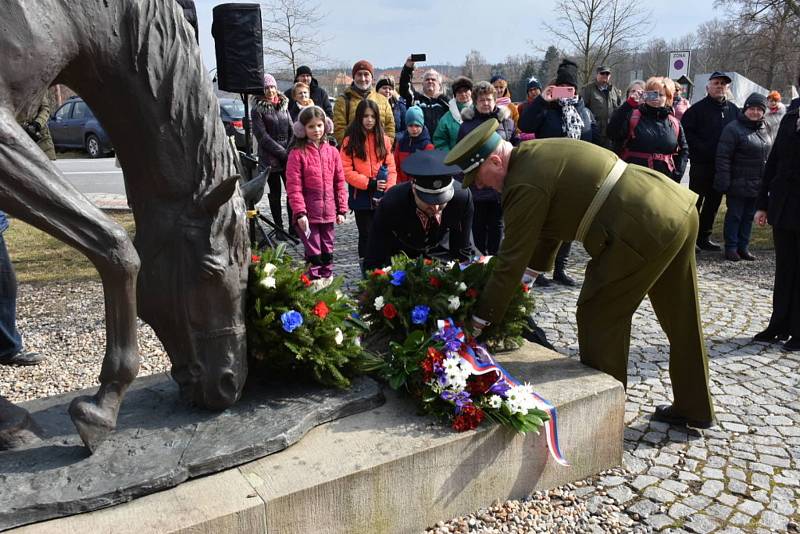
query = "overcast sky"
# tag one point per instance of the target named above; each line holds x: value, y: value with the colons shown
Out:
x: 385, y: 32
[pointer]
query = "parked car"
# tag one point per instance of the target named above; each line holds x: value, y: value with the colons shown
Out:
x: 231, y: 111
x: 73, y: 125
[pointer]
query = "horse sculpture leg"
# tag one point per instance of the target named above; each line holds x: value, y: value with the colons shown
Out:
x: 32, y: 190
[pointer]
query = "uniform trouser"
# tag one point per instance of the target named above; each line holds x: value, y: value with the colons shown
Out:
x: 701, y: 181
x: 10, y: 340
x: 670, y: 279
x: 562, y: 256
x: 319, y: 249
x: 786, y: 296
x: 487, y: 226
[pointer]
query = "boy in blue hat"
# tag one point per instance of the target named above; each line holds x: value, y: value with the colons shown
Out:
x: 415, y: 138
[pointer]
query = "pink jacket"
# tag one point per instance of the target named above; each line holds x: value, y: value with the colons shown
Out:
x: 315, y: 185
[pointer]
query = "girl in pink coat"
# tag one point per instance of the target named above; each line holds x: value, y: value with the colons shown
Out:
x: 316, y: 189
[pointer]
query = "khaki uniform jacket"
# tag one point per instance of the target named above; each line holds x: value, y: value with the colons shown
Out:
x: 548, y: 188
x: 347, y: 103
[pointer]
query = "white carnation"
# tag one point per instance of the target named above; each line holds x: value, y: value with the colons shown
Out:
x: 268, y: 282
x: 453, y: 303
x: 269, y: 268
x: 462, y: 287
x: 378, y: 303
x: 338, y: 336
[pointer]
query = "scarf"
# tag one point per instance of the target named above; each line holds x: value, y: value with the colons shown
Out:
x: 360, y: 92
x: 571, y: 121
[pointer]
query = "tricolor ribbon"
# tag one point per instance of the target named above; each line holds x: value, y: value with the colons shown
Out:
x: 481, y: 362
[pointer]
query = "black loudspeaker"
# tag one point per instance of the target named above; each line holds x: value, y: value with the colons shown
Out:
x: 237, y: 41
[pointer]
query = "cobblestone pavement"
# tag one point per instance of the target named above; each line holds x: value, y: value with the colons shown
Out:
x: 742, y: 476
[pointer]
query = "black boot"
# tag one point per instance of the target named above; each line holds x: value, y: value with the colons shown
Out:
x: 542, y: 281
x: 560, y: 274
x: 705, y: 243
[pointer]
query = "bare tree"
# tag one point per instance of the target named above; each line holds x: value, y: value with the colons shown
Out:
x: 597, y: 30
x: 476, y: 67
x: 291, y: 32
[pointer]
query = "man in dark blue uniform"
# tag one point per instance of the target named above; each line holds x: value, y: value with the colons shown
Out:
x: 428, y: 216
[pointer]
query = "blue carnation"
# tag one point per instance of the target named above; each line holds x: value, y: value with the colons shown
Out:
x: 398, y: 277
x: 419, y: 315
x: 291, y: 320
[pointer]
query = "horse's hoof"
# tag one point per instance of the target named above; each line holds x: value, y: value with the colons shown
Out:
x: 93, y: 423
x: 17, y: 429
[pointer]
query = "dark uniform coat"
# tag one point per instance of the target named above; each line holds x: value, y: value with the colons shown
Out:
x: 397, y: 228
x: 641, y: 242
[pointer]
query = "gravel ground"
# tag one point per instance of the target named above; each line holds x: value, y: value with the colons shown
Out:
x: 47, y: 319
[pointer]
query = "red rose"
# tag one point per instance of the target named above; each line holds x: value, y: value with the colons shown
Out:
x: 378, y: 272
x: 321, y: 309
x: 255, y: 258
x: 435, y: 282
x: 525, y: 288
x: 469, y: 418
x: 472, y: 293
x: 305, y: 280
x: 389, y: 311
x: 427, y: 261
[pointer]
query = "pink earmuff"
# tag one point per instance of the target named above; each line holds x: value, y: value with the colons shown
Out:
x: 299, y: 129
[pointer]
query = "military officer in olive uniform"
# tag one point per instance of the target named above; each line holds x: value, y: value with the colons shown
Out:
x: 639, y: 229
x: 431, y: 215
x: 34, y: 121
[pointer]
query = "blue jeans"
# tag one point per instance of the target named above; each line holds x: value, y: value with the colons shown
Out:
x: 738, y: 222
x: 10, y: 340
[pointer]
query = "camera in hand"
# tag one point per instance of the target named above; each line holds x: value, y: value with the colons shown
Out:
x: 419, y: 57
x: 650, y: 95
x: 33, y: 130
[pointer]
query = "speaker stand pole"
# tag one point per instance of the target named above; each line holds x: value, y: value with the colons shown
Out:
x: 248, y: 148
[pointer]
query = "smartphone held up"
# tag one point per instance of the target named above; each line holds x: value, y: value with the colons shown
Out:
x: 562, y: 92
x: 419, y: 57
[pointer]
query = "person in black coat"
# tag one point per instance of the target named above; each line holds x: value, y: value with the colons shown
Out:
x: 564, y: 117
x: 741, y: 156
x: 428, y: 216
x: 317, y: 93
x: 795, y: 103
x: 432, y: 100
x: 779, y: 204
x: 656, y: 139
x: 703, y: 123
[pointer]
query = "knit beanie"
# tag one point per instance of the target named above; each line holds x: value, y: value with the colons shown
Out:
x: 362, y: 65
x: 567, y: 73
x: 497, y: 77
x: 461, y: 83
x: 414, y: 116
x: 302, y: 69
x: 533, y: 83
x: 269, y: 79
x: 756, y: 100
x: 382, y: 82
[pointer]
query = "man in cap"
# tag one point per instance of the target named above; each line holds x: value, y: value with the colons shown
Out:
x: 430, y: 215
x: 534, y: 89
x: 703, y: 124
x: 639, y: 228
x: 317, y: 93
x: 602, y: 99
x: 345, y: 109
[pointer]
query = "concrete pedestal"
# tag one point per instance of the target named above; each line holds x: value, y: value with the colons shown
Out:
x: 387, y: 469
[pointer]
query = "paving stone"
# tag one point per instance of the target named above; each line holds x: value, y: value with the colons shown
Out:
x: 698, y: 502
x: 727, y: 499
x: 701, y: 524
x: 738, y: 474
x: 621, y: 494
x: 674, y: 486
x: 712, y: 472
x: 661, y: 471
x: 740, y: 519
x: 772, y: 520
x: 761, y: 480
x: 659, y: 494
x: 644, y: 507
x: 720, y: 511
x: 712, y: 488
x: 642, y: 481
x: 738, y: 487
x: 659, y: 521
x: 679, y: 511
x: 750, y: 507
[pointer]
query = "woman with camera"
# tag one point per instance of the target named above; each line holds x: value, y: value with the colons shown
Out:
x: 648, y: 133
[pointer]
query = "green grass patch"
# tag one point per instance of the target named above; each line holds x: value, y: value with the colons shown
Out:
x: 39, y: 257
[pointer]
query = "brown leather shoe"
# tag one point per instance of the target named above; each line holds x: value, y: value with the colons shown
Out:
x: 666, y: 414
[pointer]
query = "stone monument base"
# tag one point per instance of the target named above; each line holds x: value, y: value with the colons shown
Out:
x: 388, y: 470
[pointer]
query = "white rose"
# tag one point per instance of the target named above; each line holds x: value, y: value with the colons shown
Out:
x: 268, y: 282
x: 269, y: 268
x: 453, y: 303
x: 378, y: 303
x: 338, y: 336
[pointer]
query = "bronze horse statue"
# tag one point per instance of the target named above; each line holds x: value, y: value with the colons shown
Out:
x: 137, y: 65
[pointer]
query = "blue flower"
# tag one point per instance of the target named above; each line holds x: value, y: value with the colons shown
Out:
x: 291, y: 320
x: 398, y: 277
x: 419, y: 315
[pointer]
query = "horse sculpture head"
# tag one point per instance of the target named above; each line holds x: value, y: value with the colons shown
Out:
x: 191, y: 291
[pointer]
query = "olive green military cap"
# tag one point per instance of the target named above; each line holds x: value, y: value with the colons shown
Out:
x: 473, y: 150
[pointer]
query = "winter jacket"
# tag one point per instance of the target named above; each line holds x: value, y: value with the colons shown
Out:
x: 345, y: 111
x: 317, y: 94
x: 405, y: 145
x: 446, y: 135
x: 741, y: 156
x: 360, y: 173
x: 780, y: 186
x: 602, y: 103
x: 272, y: 126
x: 655, y: 134
x: 679, y: 106
x: 506, y: 130
x: 315, y: 185
x: 772, y: 119
x: 543, y: 118
x: 512, y: 107
x: 399, y: 109
x: 703, y: 123
x: 793, y: 105
x: 432, y: 108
